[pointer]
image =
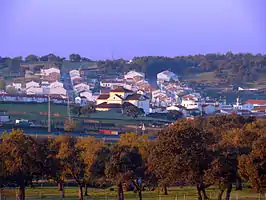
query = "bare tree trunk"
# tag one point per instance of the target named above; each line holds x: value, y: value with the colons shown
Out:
x: 238, y: 183
x: 228, y: 191
x: 61, y: 188
x: 80, y: 193
x: 220, y: 195
x: 21, y: 192
x: 86, y: 190
x: 198, y: 192
x: 120, y: 191
x: 205, y: 197
x: 165, y: 190
x: 140, y: 195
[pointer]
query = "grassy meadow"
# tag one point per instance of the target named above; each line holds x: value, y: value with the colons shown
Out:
x: 175, y: 193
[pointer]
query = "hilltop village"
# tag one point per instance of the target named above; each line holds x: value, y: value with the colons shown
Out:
x: 84, y: 85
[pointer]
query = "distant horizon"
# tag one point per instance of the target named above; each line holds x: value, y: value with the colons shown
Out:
x: 114, y: 58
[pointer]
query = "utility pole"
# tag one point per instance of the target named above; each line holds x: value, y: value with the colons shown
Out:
x: 49, y: 114
x: 68, y: 109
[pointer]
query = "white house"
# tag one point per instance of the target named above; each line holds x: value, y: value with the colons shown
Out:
x: 112, y: 83
x: 32, y: 84
x: 58, y: 90
x: 22, y: 98
x: 56, y: 84
x: 81, y: 87
x: 45, y: 84
x: 82, y: 101
x: 134, y: 75
x: 190, y: 102
x: 256, y: 103
x: 166, y: 76
x: 34, y: 91
x: 89, y: 96
x: 175, y: 108
x: 47, y: 72
x: 74, y: 72
x: 17, y: 85
x: 246, y: 106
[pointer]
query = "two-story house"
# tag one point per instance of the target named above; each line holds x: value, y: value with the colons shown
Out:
x: 115, y: 98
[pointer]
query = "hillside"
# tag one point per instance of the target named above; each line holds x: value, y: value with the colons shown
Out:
x: 229, y: 68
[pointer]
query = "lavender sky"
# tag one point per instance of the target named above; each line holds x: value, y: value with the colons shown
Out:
x: 126, y: 28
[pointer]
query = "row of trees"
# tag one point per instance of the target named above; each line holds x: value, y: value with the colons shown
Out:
x: 229, y: 67
x: 127, y: 109
x: 221, y: 151
x: 49, y: 57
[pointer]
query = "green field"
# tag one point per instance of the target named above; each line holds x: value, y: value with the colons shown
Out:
x: 175, y: 193
x: 202, y: 77
x: 32, y: 112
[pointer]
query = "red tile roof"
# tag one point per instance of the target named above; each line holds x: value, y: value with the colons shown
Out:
x: 106, y: 105
x: 103, y: 96
x: 188, y: 97
x: 259, y: 102
x: 121, y: 89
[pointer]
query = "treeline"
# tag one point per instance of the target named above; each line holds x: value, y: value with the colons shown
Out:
x: 229, y: 68
x: 220, y: 150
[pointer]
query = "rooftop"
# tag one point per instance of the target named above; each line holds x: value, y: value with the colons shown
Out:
x: 103, y: 96
x: 121, y: 89
x: 259, y: 102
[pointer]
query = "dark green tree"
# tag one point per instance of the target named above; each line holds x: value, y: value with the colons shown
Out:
x: 31, y: 58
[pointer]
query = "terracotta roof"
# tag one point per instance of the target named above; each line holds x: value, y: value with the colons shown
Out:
x: 135, y: 97
x: 121, y: 89
x: 188, y: 97
x: 105, y: 91
x: 261, y: 102
x: 106, y: 105
x: 103, y: 96
x: 260, y: 109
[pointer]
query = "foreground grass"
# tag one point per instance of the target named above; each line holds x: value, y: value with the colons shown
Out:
x: 175, y: 193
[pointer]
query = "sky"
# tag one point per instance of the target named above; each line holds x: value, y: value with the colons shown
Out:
x: 102, y: 29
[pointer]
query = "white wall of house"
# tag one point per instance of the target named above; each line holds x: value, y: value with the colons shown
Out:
x: 56, y: 84
x: 244, y: 107
x: 132, y: 74
x: 32, y: 84
x: 18, y: 86
x: 46, y: 72
x: 166, y: 76
x: 34, y: 91
x: 111, y: 84
x: 58, y: 90
x: 73, y: 73
x: 190, y: 104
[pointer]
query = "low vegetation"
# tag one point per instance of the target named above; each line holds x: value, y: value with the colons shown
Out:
x: 210, y: 155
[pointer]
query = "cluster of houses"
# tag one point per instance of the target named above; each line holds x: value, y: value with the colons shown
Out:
x: 82, y: 90
x: 134, y: 81
x: 170, y: 94
x: 38, y: 80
